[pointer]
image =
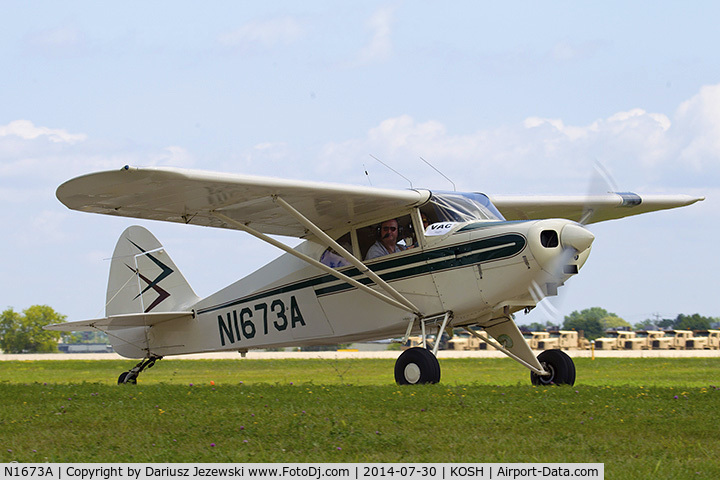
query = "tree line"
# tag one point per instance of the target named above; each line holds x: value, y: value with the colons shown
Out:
x: 596, y: 320
x: 23, y: 332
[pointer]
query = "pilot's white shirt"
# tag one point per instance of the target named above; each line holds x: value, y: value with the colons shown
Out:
x: 379, y: 250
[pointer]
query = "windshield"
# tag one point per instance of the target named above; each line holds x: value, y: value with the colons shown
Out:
x: 463, y: 207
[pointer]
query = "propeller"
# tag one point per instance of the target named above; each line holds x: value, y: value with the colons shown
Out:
x: 575, y: 240
x: 601, y: 183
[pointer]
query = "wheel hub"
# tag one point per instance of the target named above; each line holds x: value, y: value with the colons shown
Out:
x: 412, y: 373
x: 547, y: 379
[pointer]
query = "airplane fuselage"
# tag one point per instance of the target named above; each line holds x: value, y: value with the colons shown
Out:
x: 479, y: 271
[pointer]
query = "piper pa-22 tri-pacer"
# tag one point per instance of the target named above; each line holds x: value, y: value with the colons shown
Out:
x: 375, y: 264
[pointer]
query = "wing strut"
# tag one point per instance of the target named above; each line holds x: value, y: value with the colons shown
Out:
x: 328, y: 241
x: 312, y: 261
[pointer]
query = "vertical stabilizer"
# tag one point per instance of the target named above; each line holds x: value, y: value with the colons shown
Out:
x: 144, y: 279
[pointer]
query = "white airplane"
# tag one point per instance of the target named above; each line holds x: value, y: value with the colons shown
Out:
x: 375, y: 264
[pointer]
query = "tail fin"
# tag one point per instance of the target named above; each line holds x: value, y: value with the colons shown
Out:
x: 144, y: 279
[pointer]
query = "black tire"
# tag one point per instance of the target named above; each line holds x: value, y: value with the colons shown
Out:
x: 417, y: 365
x: 560, y: 366
x: 123, y: 379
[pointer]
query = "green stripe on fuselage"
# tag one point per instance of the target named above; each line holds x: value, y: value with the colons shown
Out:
x: 423, y: 262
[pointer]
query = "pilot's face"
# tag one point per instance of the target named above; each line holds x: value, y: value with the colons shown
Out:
x: 389, y: 233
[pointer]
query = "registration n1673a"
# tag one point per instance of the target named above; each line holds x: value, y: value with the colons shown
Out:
x: 258, y: 319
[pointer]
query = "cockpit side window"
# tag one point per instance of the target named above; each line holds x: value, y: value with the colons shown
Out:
x: 333, y: 259
x: 373, y: 236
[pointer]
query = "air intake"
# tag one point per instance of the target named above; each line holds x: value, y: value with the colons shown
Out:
x: 549, y: 239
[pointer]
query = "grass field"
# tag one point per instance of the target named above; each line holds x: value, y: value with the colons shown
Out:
x: 642, y: 418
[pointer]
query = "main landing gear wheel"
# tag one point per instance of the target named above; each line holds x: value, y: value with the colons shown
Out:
x: 417, y: 365
x: 559, y: 365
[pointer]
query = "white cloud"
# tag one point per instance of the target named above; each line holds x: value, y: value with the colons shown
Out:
x: 172, y: 156
x: 36, y: 155
x: 264, y: 34
x: 698, y: 129
x: 642, y: 148
x: 380, y: 46
x: 403, y: 132
x: 571, y: 132
x: 26, y: 130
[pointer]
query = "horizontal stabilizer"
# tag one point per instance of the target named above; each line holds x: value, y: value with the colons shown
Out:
x: 118, y: 322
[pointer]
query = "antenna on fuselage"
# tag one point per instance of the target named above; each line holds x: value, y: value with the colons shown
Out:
x: 367, y: 175
x: 441, y: 173
x: 388, y: 166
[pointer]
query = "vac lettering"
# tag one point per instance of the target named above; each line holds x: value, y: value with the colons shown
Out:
x: 239, y: 324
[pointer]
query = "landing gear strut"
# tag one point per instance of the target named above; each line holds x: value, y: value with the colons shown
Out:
x: 131, y: 375
x: 420, y: 365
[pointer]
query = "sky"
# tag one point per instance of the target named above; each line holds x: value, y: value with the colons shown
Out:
x: 515, y: 97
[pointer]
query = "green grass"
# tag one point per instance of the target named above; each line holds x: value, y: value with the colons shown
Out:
x: 643, y: 418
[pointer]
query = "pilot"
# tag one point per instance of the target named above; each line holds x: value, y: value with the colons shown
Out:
x: 387, y: 243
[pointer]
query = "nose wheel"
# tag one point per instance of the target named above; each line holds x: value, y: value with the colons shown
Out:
x: 415, y: 366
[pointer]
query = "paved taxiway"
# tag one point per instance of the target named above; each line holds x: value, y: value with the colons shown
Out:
x: 365, y: 354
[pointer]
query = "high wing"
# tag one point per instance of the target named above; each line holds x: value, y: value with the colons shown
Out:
x: 586, y: 209
x: 197, y: 197
x: 233, y: 201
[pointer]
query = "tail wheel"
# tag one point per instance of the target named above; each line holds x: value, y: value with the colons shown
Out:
x: 130, y: 377
x: 127, y: 377
x: 559, y: 365
x: 417, y: 365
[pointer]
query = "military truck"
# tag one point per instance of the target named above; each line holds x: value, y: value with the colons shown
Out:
x: 673, y: 340
x: 613, y: 340
x: 414, y: 341
x: 538, y: 337
x: 462, y: 340
x: 643, y: 339
x: 562, y: 339
x: 714, y: 339
x: 704, y: 340
x: 476, y: 344
x: 459, y: 341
